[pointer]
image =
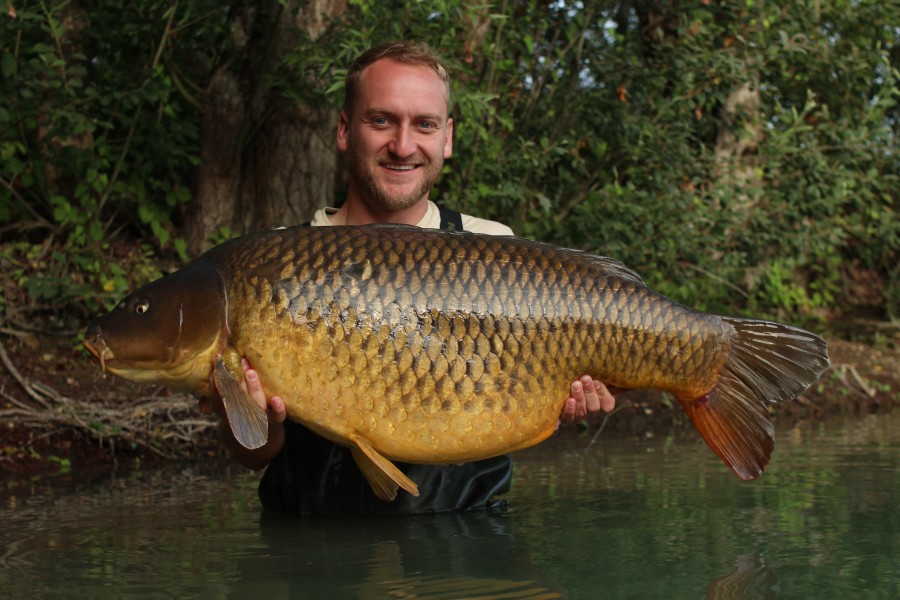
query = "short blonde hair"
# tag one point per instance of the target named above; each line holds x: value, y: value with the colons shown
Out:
x: 404, y: 52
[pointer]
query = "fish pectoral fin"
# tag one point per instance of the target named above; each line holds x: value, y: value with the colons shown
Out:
x: 381, y: 473
x: 248, y: 421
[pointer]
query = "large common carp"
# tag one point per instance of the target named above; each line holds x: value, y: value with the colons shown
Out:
x: 435, y: 347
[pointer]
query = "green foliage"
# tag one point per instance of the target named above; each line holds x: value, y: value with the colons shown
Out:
x: 94, y: 144
x: 223, y: 235
x: 76, y: 283
x: 609, y: 126
x: 586, y: 127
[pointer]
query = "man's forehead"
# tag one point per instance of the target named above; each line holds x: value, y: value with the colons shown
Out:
x: 387, y: 85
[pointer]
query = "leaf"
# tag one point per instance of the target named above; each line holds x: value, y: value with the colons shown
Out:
x: 8, y: 65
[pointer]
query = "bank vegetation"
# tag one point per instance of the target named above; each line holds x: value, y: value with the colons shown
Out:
x: 742, y: 156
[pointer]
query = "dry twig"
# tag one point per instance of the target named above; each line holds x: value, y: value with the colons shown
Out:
x: 167, y: 426
x: 853, y: 381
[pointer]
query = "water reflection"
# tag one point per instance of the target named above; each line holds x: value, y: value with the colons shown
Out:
x: 442, y: 556
x: 751, y: 579
x: 624, y: 519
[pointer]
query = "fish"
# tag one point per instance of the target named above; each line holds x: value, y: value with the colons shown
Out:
x: 428, y: 346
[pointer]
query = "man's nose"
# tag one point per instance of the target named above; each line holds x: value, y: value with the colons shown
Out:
x: 402, y: 143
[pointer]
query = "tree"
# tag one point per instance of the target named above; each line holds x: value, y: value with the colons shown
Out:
x: 740, y: 155
x: 268, y: 156
x: 737, y: 154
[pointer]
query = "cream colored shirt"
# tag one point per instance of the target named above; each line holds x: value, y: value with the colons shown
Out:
x: 431, y: 220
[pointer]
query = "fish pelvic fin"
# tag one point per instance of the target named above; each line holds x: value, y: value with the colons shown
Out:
x: 769, y: 362
x: 248, y: 421
x: 383, y: 475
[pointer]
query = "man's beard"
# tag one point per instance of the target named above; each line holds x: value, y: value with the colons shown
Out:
x: 361, y: 170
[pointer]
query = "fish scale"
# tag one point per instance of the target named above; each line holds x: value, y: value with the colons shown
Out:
x: 387, y: 300
x: 435, y: 347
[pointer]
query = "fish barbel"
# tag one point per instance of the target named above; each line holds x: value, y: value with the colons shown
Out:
x: 435, y: 347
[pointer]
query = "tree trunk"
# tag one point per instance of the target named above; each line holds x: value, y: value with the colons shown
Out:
x: 265, y: 160
x: 289, y: 169
x: 217, y: 185
x: 74, y: 21
x: 739, y: 137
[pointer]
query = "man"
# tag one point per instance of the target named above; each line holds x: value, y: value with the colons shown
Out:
x: 396, y: 132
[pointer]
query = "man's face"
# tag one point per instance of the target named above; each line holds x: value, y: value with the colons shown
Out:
x: 398, y: 134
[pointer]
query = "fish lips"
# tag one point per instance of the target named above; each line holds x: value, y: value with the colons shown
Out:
x: 94, y: 343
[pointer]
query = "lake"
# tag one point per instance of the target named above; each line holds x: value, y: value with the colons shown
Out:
x: 620, y: 518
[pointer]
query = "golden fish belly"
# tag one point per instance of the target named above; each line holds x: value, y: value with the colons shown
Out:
x: 453, y: 348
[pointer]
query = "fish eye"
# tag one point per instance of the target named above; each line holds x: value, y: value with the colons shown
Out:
x: 141, y: 306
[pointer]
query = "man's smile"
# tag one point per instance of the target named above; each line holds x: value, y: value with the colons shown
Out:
x: 400, y: 168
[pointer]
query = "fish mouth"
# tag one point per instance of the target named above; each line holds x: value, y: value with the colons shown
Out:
x: 99, y: 350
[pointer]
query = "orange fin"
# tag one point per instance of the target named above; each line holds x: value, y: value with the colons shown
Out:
x: 769, y: 362
x: 739, y: 432
x: 247, y: 420
x: 382, y: 474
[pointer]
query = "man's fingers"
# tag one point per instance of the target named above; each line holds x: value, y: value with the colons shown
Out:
x: 568, y: 412
x: 274, y: 406
x: 277, y: 411
x: 591, y: 395
x: 588, y: 396
x: 579, y: 403
x: 606, y: 401
x: 254, y: 388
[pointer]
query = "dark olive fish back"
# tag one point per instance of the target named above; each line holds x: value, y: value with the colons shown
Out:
x: 476, y: 304
x: 430, y: 346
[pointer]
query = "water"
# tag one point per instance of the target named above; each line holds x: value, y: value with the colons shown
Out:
x: 659, y: 518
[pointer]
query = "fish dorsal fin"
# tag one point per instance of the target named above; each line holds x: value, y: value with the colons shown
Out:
x: 247, y: 419
x: 382, y: 474
x: 618, y: 269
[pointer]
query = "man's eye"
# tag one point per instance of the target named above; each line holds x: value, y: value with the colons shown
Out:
x: 379, y: 121
x: 427, y: 125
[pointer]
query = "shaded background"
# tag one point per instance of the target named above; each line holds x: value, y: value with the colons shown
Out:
x: 741, y: 156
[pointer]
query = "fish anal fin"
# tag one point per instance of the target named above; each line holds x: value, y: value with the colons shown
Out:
x: 381, y: 473
x: 248, y: 421
x: 735, y: 425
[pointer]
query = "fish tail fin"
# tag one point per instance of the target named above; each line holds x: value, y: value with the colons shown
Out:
x: 769, y: 362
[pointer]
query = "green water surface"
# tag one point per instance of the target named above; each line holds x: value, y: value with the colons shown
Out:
x: 622, y: 518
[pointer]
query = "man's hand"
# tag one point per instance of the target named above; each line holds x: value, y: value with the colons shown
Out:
x: 275, y: 410
x: 251, y: 384
x: 588, y: 397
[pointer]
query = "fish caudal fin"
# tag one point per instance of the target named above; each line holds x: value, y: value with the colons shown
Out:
x: 381, y: 473
x: 248, y: 421
x: 769, y: 362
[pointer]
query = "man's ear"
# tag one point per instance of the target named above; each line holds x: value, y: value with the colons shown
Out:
x: 343, y: 132
x: 448, y: 143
